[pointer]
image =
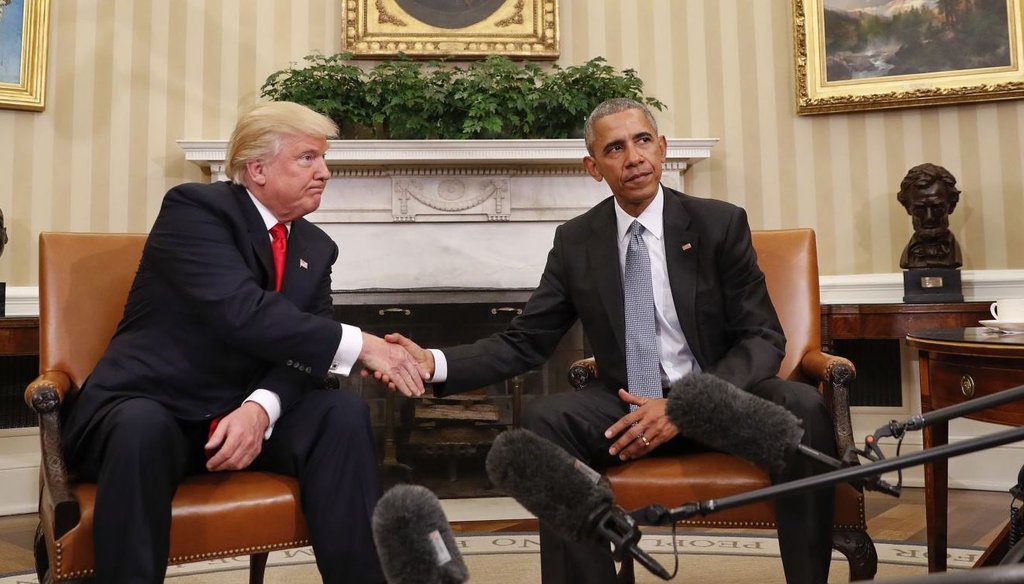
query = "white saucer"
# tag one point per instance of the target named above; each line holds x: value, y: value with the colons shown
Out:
x: 1003, y: 325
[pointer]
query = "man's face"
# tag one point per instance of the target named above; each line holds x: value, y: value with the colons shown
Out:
x: 929, y: 206
x: 628, y: 154
x: 292, y: 182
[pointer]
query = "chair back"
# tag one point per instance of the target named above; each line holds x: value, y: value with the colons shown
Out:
x: 789, y: 260
x: 84, y: 279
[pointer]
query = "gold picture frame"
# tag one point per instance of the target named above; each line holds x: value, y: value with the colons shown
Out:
x: 23, y: 64
x: 459, y: 29
x: 908, y: 70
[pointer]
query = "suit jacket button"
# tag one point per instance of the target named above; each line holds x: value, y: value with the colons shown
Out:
x: 309, y: 369
x: 290, y: 362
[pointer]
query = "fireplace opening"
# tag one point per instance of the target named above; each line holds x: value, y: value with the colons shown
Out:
x: 442, y: 443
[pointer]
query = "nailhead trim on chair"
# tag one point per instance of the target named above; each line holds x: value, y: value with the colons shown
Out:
x: 248, y: 551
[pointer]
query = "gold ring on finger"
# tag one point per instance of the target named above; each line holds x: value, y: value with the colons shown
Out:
x: 645, y: 440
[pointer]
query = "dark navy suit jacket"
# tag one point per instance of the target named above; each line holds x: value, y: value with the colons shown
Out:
x: 202, y: 327
x: 719, y: 293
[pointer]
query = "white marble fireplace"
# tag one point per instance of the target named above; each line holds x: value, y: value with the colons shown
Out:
x: 414, y: 214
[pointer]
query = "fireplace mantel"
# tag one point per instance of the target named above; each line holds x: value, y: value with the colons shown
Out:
x: 451, y: 213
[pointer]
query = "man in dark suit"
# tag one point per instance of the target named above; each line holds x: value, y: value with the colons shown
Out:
x: 219, y: 361
x: 711, y: 312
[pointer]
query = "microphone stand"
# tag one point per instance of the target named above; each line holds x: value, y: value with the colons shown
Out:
x: 659, y: 515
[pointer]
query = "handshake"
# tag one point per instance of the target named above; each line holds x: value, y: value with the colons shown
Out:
x: 397, y: 362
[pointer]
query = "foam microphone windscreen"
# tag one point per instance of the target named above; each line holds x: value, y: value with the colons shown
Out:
x: 718, y: 414
x: 557, y: 488
x: 414, y: 540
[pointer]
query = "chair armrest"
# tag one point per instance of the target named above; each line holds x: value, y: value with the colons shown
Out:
x: 582, y: 372
x: 45, y: 394
x: 834, y: 375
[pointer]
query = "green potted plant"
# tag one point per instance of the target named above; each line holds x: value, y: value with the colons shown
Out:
x: 492, y: 98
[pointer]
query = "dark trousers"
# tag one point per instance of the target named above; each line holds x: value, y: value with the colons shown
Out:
x: 138, y: 454
x: 577, y: 421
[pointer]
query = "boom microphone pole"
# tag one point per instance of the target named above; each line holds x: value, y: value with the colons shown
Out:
x: 659, y: 515
x: 919, y: 421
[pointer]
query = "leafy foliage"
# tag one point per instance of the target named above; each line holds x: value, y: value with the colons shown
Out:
x: 492, y: 98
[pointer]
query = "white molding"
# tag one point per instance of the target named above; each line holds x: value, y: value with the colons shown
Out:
x: 22, y: 301
x: 978, y: 285
x: 19, y: 471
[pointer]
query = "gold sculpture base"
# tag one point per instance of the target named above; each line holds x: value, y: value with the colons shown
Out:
x: 932, y: 285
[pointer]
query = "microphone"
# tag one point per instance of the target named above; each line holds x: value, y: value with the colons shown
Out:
x: 567, y: 495
x: 718, y: 414
x: 414, y: 540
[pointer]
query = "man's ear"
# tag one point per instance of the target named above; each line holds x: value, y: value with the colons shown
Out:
x: 254, y: 171
x: 591, y: 165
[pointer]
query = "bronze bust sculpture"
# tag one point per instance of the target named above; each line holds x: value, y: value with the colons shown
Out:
x: 929, y: 195
x: 3, y: 233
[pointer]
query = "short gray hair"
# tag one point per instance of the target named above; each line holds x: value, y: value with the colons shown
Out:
x: 609, y: 107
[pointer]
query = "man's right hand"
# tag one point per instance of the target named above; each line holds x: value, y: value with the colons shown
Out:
x: 393, y: 365
x: 423, y: 357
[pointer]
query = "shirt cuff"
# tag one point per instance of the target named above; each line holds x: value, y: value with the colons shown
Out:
x: 440, y: 367
x: 271, y: 403
x: 348, y: 350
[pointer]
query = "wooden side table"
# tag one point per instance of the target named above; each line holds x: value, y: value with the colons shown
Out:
x: 19, y: 335
x: 957, y: 365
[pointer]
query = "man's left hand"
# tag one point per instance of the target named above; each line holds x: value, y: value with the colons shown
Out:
x: 640, y: 431
x: 238, y: 439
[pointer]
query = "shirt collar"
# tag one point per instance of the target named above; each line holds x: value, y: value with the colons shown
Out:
x: 651, y: 218
x: 268, y: 217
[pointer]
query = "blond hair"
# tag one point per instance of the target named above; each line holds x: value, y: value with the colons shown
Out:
x: 259, y: 131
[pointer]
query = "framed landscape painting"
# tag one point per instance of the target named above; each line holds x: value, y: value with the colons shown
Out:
x: 23, y: 30
x: 878, y: 54
x: 459, y: 29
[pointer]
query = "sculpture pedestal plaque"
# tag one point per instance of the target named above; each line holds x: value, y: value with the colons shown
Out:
x: 932, y: 285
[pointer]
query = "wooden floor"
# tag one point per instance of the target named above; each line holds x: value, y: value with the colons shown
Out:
x: 975, y: 518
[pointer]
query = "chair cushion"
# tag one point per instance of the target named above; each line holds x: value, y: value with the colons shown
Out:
x: 674, y: 480
x: 213, y: 515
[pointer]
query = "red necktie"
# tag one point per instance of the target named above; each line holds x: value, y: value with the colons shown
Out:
x: 279, y: 245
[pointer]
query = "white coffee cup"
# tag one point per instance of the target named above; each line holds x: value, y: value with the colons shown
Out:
x: 1008, y: 309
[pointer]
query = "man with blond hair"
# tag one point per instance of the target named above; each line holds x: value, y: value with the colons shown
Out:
x: 219, y: 361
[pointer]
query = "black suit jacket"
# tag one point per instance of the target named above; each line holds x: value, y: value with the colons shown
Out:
x: 202, y: 326
x: 718, y: 289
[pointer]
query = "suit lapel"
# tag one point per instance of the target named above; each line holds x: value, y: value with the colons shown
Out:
x: 682, y: 248
x: 603, y: 259
x: 296, y: 263
x: 258, y: 236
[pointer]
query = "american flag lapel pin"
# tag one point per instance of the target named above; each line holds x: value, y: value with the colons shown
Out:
x: 686, y: 247
x: 303, y: 264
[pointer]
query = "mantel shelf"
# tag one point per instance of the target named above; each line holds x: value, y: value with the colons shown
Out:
x: 207, y: 153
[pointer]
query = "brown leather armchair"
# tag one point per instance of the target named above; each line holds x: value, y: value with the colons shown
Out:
x: 789, y: 261
x: 83, y: 284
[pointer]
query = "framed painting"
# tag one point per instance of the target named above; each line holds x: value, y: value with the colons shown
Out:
x: 458, y: 29
x: 879, y: 54
x: 23, y: 34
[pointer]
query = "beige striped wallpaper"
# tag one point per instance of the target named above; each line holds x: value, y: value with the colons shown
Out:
x: 127, y: 78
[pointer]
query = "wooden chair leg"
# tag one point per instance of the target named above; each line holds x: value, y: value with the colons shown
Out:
x: 627, y: 574
x: 859, y: 551
x: 257, y: 566
x: 42, y: 558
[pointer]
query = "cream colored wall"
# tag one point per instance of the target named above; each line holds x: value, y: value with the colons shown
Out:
x: 126, y: 79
